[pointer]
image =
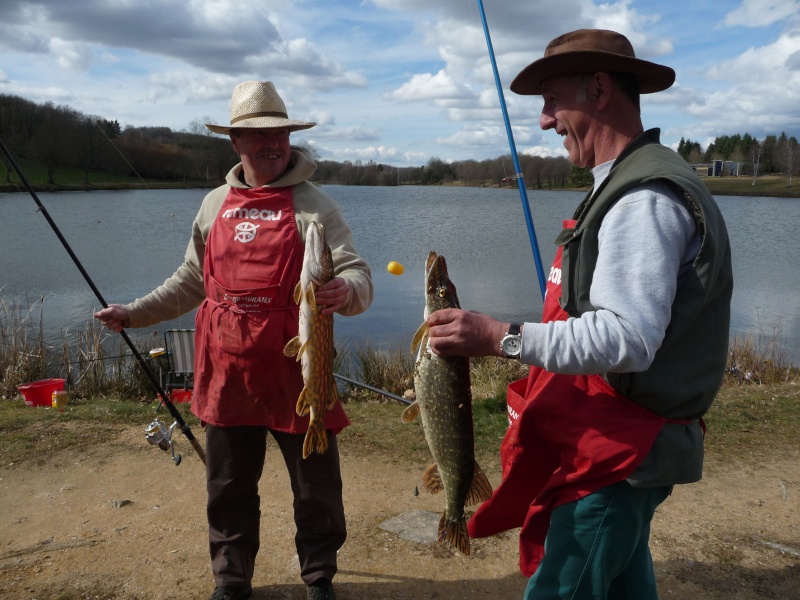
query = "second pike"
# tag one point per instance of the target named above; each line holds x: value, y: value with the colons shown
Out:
x: 444, y: 398
x: 313, y: 344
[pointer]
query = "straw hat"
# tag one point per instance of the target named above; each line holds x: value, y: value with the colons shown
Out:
x: 257, y: 105
x: 589, y: 51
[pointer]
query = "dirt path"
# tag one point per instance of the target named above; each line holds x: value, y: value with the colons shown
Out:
x: 119, y: 521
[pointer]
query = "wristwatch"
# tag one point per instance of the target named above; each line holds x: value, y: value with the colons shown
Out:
x: 511, y: 344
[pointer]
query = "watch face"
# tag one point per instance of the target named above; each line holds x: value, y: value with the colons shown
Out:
x: 512, y: 345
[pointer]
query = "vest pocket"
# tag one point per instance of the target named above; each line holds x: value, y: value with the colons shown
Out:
x: 569, y: 239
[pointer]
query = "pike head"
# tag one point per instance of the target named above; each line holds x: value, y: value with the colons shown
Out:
x: 317, y: 261
x: 439, y: 290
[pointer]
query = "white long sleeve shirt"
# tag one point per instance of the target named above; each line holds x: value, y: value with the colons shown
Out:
x: 647, y: 241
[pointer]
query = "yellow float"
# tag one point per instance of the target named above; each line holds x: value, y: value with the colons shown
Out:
x: 395, y: 268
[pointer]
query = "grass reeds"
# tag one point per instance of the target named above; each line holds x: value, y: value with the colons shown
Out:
x: 95, y: 365
x: 22, y: 351
x: 758, y: 406
x: 89, y: 361
x: 761, y: 358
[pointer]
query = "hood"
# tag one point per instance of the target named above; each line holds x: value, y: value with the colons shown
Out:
x: 300, y: 168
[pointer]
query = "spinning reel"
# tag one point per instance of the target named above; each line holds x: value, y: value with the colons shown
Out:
x: 158, y: 435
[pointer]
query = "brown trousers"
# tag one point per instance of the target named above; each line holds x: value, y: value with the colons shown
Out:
x: 234, y: 463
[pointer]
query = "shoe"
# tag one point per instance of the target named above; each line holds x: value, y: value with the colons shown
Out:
x: 321, y: 589
x: 228, y: 592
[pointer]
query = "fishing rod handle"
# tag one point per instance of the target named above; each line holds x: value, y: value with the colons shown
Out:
x: 201, y: 453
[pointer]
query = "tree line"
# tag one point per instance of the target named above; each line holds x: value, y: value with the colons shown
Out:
x: 770, y: 156
x: 58, y: 137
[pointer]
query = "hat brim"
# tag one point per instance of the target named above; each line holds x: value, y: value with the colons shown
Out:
x: 652, y: 77
x: 262, y: 123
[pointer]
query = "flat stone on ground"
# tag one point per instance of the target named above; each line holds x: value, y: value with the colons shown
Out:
x: 416, y: 525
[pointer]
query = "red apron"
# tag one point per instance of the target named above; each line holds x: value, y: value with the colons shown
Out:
x: 568, y: 436
x: 253, y: 260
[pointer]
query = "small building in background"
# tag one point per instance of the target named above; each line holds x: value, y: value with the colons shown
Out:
x: 719, y: 168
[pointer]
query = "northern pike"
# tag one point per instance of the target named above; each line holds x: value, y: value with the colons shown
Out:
x: 313, y: 345
x: 444, y: 398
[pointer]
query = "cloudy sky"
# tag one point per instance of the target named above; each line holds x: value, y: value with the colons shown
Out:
x: 396, y: 81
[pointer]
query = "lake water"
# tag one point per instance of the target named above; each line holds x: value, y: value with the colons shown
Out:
x: 130, y: 241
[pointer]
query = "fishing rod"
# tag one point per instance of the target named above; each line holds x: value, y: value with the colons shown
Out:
x: 518, y: 171
x: 373, y: 389
x: 156, y: 433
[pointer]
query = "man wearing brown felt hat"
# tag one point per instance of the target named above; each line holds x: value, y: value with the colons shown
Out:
x: 632, y: 345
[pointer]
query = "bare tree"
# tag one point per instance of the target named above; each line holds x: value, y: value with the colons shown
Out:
x: 204, y: 149
x: 787, y: 153
x: 755, y: 154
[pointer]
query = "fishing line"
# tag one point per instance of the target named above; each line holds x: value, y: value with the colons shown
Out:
x: 163, y: 439
x: 172, y: 218
x: 519, y: 176
x: 96, y: 124
x: 116, y: 148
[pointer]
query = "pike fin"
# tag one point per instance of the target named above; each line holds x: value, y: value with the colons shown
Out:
x: 316, y: 439
x: 298, y: 292
x: 432, y: 479
x: 333, y: 394
x: 480, y: 490
x: 303, y: 406
x: 311, y: 297
x: 410, y: 413
x: 302, y: 349
x: 454, y: 533
x: 420, y: 336
x: 292, y: 347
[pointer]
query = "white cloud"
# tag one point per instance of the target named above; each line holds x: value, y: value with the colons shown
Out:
x: 322, y: 117
x: 760, y: 13
x: 761, y: 97
x: 426, y: 87
x: 374, y: 153
x: 759, y: 63
x: 351, y: 134
x: 793, y: 61
x: 71, y: 56
x: 546, y: 152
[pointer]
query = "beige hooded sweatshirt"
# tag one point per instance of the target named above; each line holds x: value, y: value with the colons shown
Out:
x: 184, y: 290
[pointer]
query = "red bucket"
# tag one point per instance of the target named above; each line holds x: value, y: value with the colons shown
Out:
x: 40, y: 393
x: 178, y: 396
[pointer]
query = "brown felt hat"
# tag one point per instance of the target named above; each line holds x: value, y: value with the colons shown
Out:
x: 589, y: 51
x: 257, y: 105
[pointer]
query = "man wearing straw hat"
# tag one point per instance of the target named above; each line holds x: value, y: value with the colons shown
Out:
x: 241, y: 267
x: 632, y: 346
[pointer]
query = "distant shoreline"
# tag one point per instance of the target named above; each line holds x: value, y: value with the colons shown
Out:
x: 769, y: 186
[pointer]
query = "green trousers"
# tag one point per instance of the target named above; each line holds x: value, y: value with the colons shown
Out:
x: 598, y: 547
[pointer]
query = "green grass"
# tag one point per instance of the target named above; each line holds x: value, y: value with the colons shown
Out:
x: 29, y: 434
x: 36, y: 173
x: 745, y: 422
x: 765, y: 185
x: 70, y: 178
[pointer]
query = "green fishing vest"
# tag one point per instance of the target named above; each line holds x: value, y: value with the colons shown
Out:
x: 688, y: 368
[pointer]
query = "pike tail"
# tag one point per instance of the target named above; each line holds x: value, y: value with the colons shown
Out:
x: 454, y: 533
x: 316, y: 439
